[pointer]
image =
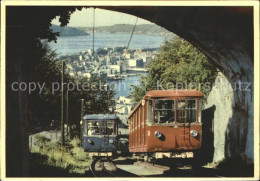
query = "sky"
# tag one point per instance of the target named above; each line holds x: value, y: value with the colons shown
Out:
x: 102, y: 18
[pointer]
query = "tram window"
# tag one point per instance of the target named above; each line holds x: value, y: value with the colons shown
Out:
x: 92, y: 127
x: 181, y: 104
x: 191, y: 111
x: 186, y: 111
x: 164, y: 111
x: 150, y: 111
x: 111, y: 128
x: 191, y: 104
x: 85, y: 129
x: 199, y: 110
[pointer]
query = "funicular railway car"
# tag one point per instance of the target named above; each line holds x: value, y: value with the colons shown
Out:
x: 100, y: 134
x: 166, y: 124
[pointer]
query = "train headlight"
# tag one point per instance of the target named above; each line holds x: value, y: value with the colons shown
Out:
x: 90, y: 141
x: 158, y: 134
x: 194, y: 133
x: 111, y: 141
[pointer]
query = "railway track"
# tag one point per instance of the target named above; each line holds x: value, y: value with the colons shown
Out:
x: 133, y: 168
x: 107, y: 168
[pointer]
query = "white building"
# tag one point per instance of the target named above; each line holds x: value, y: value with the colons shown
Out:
x: 79, y: 73
x: 136, y: 63
x: 90, y: 51
x: 87, y: 75
x: 71, y: 74
x: 127, y: 55
x: 108, y: 71
x: 80, y: 58
x: 132, y: 63
x: 124, y: 100
x: 116, y: 67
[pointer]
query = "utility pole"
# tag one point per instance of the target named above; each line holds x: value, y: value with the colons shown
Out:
x: 81, y: 116
x: 82, y: 109
x: 67, y: 112
x: 93, y: 31
x: 62, y: 117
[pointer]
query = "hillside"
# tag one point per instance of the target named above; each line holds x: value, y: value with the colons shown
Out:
x: 68, y: 31
x: 127, y: 28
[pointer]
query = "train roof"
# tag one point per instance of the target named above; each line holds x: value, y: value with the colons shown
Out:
x: 174, y: 93
x: 100, y: 117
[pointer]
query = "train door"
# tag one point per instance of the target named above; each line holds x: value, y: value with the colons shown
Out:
x: 109, y: 131
x: 186, y: 114
x: 184, y: 128
x: 104, y: 141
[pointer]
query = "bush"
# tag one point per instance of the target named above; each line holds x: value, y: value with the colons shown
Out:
x: 79, y: 153
x: 75, y: 142
x: 77, y: 150
x: 71, y: 158
x: 41, y: 141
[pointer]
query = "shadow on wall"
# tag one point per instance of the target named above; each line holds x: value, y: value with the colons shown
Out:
x: 236, y: 136
x: 207, y: 145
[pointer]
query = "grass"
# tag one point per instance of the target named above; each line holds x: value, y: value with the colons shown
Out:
x: 68, y: 160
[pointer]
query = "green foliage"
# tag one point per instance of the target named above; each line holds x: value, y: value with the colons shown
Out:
x: 179, y: 65
x: 73, y: 159
x: 98, y: 96
x: 75, y: 142
x: 41, y: 141
x: 77, y: 150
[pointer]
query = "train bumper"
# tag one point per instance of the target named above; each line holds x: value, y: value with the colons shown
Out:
x: 159, y: 155
x: 100, y: 154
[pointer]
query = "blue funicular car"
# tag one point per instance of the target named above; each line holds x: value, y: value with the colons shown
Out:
x: 100, y: 134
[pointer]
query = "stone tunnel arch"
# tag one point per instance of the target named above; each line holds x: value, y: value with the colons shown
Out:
x: 225, y: 35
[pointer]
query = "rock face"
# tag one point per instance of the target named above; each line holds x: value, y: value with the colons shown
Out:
x: 232, y: 116
x: 220, y: 97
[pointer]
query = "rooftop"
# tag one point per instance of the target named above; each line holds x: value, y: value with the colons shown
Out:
x: 174, y: 93
x: 100, y: 117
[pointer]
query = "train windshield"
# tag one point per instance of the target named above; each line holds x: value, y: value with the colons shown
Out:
x: 186, y: 111
x: 100, y: 127
x: 164, y: 111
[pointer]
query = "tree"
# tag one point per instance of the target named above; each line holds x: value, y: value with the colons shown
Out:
x: 179, y: 65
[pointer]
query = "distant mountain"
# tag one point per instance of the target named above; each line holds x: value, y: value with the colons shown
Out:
x: 128, y: 28
x: 68, y: 31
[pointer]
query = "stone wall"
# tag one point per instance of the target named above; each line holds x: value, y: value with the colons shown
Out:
x: 221, y: 97
x: 231, y: 106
